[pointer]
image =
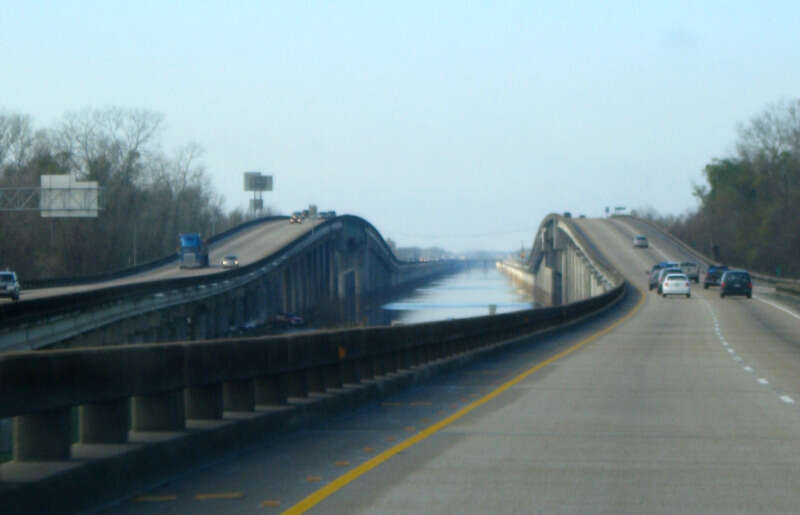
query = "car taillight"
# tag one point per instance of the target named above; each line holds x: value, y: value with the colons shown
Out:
x: 722, y: 285
x: 687, y: 283
x: 750, y: 285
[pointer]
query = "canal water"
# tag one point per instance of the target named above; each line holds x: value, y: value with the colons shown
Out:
x: 468, y: 293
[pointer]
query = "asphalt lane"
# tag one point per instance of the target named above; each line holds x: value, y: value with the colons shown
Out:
x: 249, y: 245
x: 666, y: 412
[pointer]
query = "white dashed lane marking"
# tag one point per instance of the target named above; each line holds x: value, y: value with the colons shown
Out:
x: 747, y: 368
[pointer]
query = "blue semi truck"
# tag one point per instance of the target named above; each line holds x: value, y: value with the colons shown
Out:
x: 193, y: 252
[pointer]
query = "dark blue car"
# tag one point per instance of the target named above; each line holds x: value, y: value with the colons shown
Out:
x: 736, y: 282
x: 713, y: 275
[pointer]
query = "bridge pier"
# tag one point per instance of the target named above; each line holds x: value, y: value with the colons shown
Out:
x: 159, y: 412
x: 272, y: 390
x: 43, y: 436
x: 204, y: 402
x: 106, y: 422
x: 239, y: 396
x: 315, y: 379
x: 298, y: 387
x: 333, y: 376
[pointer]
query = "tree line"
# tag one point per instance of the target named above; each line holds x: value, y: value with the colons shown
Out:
x: 148, y: 195
x: 749, y: 206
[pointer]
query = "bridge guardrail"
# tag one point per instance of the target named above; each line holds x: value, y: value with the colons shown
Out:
x: 165, y: 387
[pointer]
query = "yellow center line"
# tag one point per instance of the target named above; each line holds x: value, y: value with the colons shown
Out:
x: 219, y: 495
x: 155, y: 498
x: 337, y: 484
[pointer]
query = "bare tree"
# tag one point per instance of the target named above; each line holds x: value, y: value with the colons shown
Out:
x: 774, y: 131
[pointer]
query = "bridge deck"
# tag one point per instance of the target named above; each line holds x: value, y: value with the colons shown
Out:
x: 684, y: 405
x: 249, y: 245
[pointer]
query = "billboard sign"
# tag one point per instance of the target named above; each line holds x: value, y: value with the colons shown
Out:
x: 63, y: 197
x: 256, y: 181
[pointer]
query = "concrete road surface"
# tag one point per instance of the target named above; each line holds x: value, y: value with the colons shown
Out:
x: 658, y: 406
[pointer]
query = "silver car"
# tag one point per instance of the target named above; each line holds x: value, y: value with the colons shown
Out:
x: 9, y: 285
x: 640, y: 241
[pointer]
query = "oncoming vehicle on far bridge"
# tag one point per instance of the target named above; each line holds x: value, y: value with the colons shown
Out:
x: 640, y: 241
x: 230, y: 262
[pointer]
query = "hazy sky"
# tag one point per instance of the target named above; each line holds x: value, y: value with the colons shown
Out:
x: 459, y: 124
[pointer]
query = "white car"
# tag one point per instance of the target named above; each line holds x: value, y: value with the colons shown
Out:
x: 676, y: 284
x: 640, y: 241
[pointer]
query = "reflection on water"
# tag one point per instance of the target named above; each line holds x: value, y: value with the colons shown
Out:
x: 466, y: 294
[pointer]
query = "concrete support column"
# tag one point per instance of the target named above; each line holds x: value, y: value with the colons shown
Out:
x: 107, y: 422
x: 6, y: 438
x: 210, y: 330
x: 271, y: 390
x: 333, y: 376
x: 365, y: 368
x: 390, y: 362
x: 159, y: 412
x: 423, y: 351
x: 239, y: 396
x: 150, y: 335
x: 45, y: 436
x: 378, y: 366
x: 204, y: 402
x: 163, y: 333
x: 199, y: 326
x: 222, y: 315
x: 315, y: 379
x: 261, y: 301
x: 349, y: 372
x: 239, y: 309
x: 297, y: 384
x: 401, y: 360
x: 305, y: 266
x: 412, y: 357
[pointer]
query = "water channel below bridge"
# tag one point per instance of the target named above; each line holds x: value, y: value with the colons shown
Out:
x: 468, y: 293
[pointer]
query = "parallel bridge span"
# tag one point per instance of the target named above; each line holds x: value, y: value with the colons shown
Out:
x: 333, y: 265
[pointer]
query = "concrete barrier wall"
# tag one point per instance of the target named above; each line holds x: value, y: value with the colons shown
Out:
x: 145, y: 411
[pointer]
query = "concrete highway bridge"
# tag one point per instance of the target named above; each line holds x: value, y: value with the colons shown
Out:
x: 610, y: 400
